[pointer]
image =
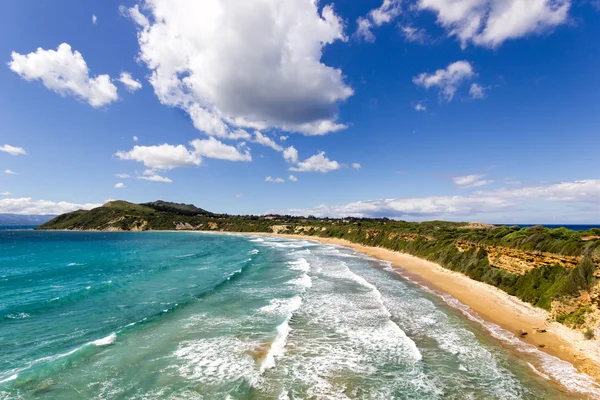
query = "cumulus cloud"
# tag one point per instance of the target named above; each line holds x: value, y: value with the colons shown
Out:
x: 486, y: 23
x: 356, y: 165
x: 316, y: 163
x: 130, y: 84
x: 477, y: 91
x: 6, y: 194
x: 211, y: 59
x: 293, y: 178
x: 274, y: 180
x: 488, y: 201
x: 28, y: 206
x: 491, y: 22
x: 65, y: 72
x: 10, y: 172
x: 384, y: 14
x: 119, y: 185
x: 12, y: 150
x: 123, y: 176
x: 212, y: 148
x: 471, y: 181
x: 162, y: 157
x: 447, y: 80
x: 266, y: 141
x: 135, y: 138
x: 167, y: 156
x: 290, y: 155
x: 94, y: 19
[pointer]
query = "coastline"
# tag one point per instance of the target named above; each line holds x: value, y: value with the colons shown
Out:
x: 491, y: 307
x: 491, y: 304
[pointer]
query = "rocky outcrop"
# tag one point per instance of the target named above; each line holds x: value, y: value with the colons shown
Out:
x: 477, y: 225
x: 519, y: 261
x: 279, y: 228
x: 186, y: 226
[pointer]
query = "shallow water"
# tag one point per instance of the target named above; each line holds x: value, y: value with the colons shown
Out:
x: 201, y: 316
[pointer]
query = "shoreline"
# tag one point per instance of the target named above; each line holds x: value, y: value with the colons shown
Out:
x: 491, y: 304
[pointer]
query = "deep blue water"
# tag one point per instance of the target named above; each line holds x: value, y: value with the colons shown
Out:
x: 203, y: 316
x: 572, y: 227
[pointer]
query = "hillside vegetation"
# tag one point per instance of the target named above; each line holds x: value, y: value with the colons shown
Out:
x: 555, y: 269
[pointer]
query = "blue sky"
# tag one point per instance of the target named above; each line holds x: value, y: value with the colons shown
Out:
x: 408, y: 109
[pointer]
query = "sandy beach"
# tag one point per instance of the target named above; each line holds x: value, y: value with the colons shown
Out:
x: 491, y: 304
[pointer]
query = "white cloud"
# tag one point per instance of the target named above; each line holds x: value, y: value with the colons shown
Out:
x: 471, y: 181
x: 364, y: 29
x: 212, y: 148
x: 486, y: 23
x: 66, y: 73
x: 491, y: 22
x: 356, y: 165
x: 135, y: 138
x: 447, y: 80
x: 94, y: 19
x: 155, y: 178
x: 167, y: 156
x: 123, y: 176
x: 274, y: 180
x: 9, y: 172
x: 412, y: 34
x: 211, y: 59
x: 13, y: 151
x: 162, y: 157
x: 28, y: 206
x: 119, y: 185
x: 488, y: 201
x: 130, y: 84
x: 266, y: 141
x: 420, y: 107
x: 384, y: 14
x: 477, y: 91
x: 316, y: 163
x: 135, y: 14
x: 290, y: 155
x: 283, y: 138
x: 293, y: 178
x: 6, y: 194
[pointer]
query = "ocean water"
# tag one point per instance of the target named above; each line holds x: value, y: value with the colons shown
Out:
x: 206, y: 316
x: 572, y: 227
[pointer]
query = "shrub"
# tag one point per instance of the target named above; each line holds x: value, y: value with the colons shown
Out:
x: 580, y: 278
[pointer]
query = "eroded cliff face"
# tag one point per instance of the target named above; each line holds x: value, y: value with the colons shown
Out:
x: 520, y: 261
x: 581, y: 313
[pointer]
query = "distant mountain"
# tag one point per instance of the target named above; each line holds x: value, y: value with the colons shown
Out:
x: 16, y: 219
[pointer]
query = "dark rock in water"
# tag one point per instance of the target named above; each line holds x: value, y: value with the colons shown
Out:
x: 541, y: 346
x: 522, y: 333
x: 541, y: 331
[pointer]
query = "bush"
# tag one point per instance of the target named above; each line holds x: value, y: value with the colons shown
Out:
x: 580, y: 278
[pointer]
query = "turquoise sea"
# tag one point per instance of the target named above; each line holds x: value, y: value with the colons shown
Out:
x: 215, y: 316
